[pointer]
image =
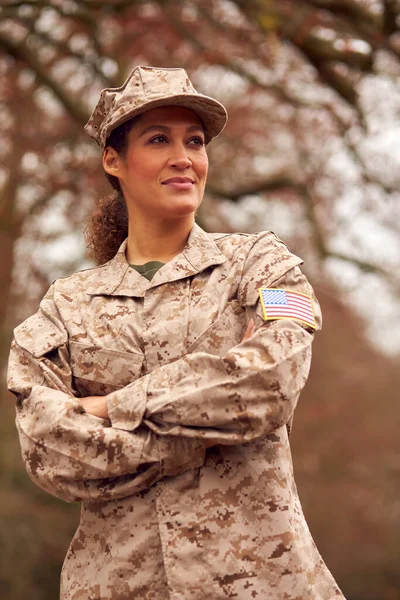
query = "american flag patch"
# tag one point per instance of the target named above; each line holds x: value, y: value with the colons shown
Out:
x: 285, y: 304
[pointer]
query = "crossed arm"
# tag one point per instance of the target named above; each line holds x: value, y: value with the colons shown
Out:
x: 98, y: 407
x: 71, y: 451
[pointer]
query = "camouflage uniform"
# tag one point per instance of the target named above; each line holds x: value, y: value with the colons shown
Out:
x: 188, y: 491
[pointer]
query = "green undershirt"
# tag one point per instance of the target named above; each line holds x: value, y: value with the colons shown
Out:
x: 149, y: 269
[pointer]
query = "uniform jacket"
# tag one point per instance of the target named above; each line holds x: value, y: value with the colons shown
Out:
x: 187, y: 491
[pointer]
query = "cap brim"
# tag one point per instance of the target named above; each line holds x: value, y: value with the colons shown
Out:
x: 212, y: 113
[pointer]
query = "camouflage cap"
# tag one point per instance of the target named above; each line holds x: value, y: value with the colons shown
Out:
x: 149, y: 87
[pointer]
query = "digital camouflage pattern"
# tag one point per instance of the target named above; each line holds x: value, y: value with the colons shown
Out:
x: 149, y: 87
x: 188, y: 492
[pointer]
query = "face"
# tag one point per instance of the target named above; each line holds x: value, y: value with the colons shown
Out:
x: 163, y: 174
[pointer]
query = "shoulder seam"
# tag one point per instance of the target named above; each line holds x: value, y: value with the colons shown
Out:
x: 96, y: 268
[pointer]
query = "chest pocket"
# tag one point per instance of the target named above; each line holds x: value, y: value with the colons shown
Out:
x: 100, y: 371
x: 224, y: 333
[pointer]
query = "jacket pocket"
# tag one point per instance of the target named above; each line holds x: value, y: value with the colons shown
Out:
x: 100, y: 371
x: 224, y: 333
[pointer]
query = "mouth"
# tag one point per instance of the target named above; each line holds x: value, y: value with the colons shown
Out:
x: 179, y: 183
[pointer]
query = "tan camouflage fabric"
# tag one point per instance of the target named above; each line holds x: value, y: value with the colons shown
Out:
x: 150, y: 87
x: 188, y: 492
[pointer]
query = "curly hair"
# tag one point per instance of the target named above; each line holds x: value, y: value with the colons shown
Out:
x: 107, y: 226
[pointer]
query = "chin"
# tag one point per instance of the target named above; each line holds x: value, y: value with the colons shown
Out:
x: 181, y: 210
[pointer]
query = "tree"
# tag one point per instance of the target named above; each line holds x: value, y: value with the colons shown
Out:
x: 312, y: 92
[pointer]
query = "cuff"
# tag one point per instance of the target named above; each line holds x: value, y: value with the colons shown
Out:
x: 127, y: 406
x: 178, y: 454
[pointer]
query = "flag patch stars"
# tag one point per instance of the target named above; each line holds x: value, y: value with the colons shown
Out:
x: 285, y: 304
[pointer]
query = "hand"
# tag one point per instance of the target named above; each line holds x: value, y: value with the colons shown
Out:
x: 95, y: 405
x: 249, y: 331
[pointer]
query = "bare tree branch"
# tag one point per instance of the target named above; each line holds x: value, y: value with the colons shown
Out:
x: 280, y: 182
x: 344, y: 131
x: 223, y: 61
x: 350, y: 8
x: 21, y: 53
x: 78, y: 15
x: 75, y: 14
x: 336, y: 63
x: 367, y: 267
x: 117, y: 6
x: 390, y: 16
x: 361, y: 264
x: 275, y: 182
x: 66, y: 51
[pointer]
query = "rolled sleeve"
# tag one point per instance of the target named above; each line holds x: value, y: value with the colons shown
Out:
x: 128, y: 412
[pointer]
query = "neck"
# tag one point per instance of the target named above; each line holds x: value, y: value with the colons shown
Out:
x: 157, y: 240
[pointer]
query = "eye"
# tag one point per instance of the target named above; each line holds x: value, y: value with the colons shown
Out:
x: 196, y: 141
x: 158, y: 139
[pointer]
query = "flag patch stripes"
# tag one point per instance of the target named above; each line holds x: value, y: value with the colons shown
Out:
x: 285, y: 304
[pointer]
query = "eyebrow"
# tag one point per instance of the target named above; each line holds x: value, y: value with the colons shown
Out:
x: 168, y: 129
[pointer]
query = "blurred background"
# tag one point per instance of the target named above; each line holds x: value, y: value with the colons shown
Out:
x: 311, y: 151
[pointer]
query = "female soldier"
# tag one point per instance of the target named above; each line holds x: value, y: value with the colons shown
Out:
x: 158, y: 389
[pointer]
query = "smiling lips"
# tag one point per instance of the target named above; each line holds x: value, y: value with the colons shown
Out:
x: 179, y: 183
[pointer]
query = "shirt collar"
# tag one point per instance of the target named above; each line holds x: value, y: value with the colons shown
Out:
x: 117, y: 278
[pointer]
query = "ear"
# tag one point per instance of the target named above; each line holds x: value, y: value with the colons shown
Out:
x: 111, y: 161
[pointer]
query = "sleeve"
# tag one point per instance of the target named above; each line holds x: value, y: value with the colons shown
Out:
x: 249, y: 392
x: 67, y: 452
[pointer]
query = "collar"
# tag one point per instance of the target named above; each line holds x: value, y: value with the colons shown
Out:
x: 117, y: 278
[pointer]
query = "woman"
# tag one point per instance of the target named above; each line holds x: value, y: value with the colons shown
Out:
x: 158, y: 389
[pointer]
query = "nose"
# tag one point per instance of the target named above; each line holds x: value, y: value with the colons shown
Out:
x: 179, y: 158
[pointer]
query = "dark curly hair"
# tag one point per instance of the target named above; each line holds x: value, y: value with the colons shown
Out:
x: 107, y: 226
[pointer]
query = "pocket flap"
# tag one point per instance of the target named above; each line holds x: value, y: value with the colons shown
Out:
x: 104, y: 365
x: 38, y: 335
